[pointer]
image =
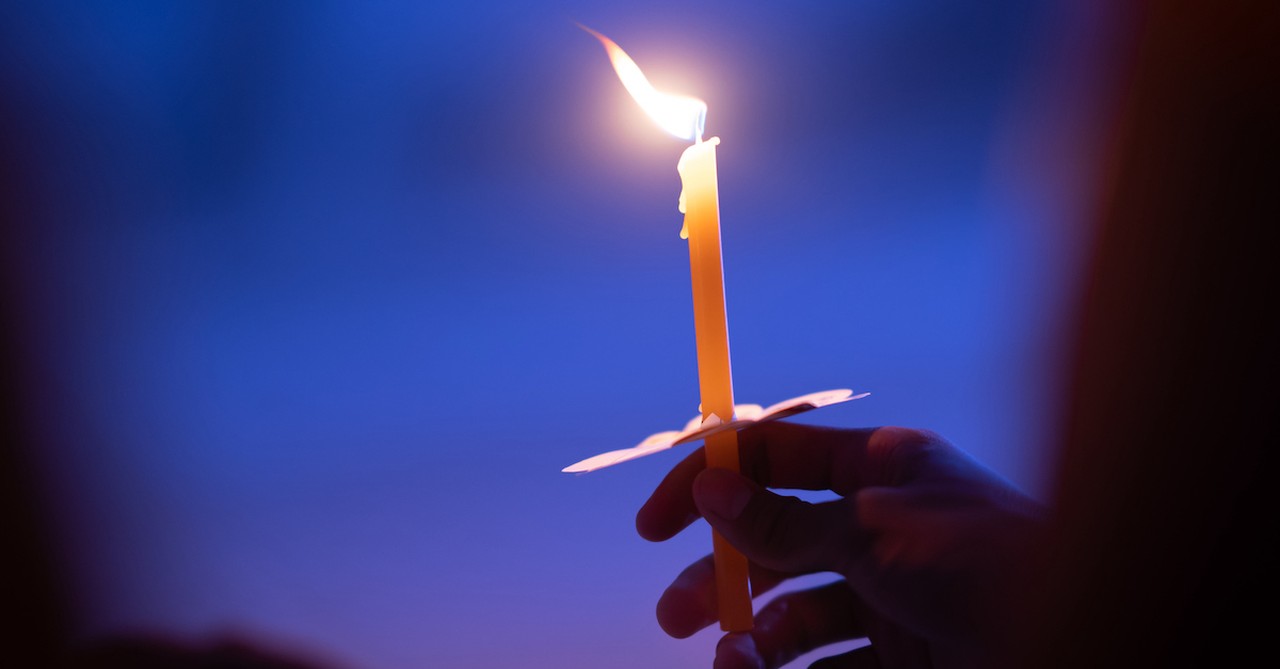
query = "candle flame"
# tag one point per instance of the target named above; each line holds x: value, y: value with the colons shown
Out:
x: 680, y: 115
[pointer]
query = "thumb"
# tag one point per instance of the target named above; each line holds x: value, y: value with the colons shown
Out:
x: 780, y: 533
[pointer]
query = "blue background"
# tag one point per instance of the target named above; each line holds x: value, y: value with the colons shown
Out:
x: 324, y: 295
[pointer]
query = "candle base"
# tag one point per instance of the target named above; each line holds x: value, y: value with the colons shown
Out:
x: 733, y: 588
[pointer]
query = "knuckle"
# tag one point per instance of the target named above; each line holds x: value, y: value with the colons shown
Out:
x: 897, y: 449
x: 891, y: 438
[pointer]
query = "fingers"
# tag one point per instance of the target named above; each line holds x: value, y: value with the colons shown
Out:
x: 786, y: 455
x: 780, y: 533
x: 670, y: 508
x: 798, y: 622
x: 737, y: 650
x: 773, y: 454
x: 792, y: 625
x: 689, y: 604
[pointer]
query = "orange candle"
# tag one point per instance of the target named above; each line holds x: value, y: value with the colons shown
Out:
x: 701, y: 202
x: 683, y: 116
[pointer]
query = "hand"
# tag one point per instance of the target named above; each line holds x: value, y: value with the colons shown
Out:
x: 929, y: 543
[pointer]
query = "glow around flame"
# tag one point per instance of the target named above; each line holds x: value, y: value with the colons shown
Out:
x: 679, y: 115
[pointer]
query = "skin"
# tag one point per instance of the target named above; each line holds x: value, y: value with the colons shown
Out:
x: 930, y: 545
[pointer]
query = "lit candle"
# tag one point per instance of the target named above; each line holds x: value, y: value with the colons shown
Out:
x: 715, y: 380
x: 684, y: 117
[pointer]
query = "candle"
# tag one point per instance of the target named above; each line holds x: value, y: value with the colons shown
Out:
x: 699, y: 200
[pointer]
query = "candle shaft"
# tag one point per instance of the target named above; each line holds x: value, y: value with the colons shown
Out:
x: 702, y: 222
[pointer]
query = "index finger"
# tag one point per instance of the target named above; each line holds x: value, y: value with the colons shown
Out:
x: 774, y: 454
x: 805, y: 457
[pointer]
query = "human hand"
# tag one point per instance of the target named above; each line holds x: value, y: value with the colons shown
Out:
x: 929, y: 543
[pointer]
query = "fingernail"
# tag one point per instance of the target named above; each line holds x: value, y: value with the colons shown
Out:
x: 722, y: 492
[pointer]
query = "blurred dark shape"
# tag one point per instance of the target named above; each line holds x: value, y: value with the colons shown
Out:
x: 1163, y: 547
x: 33, y: 615
x: 32, y: 618
x: 163, y: 653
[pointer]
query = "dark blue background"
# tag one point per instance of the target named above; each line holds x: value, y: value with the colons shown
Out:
x: 324, y: 295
